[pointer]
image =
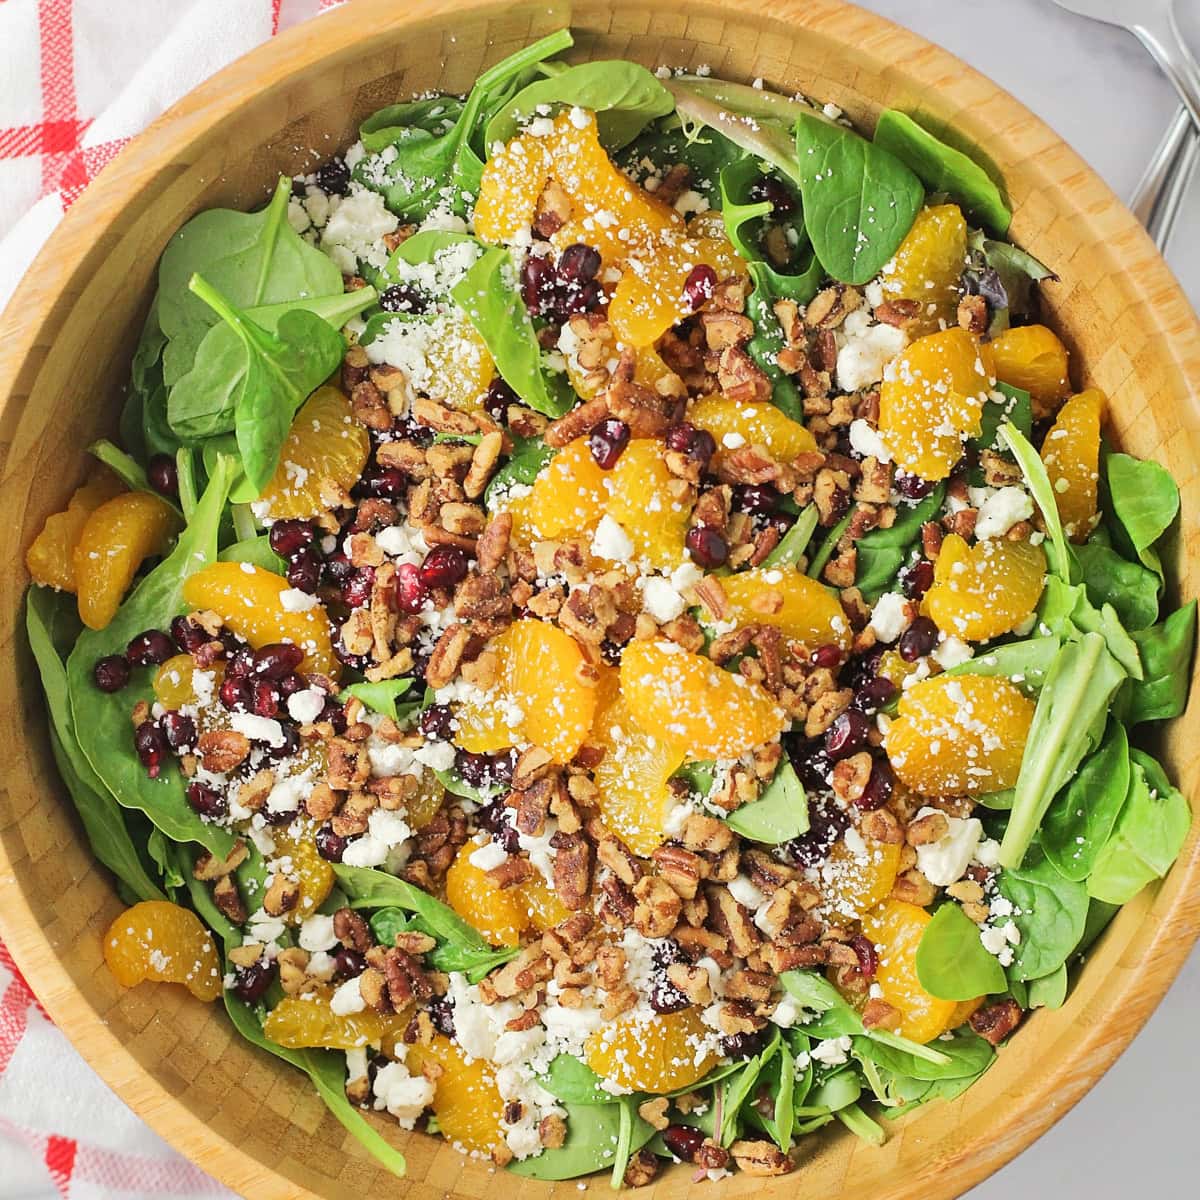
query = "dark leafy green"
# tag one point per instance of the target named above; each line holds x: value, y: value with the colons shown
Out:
x: 1166, y: 655
x: 794, y: 543
x: 951, y: 961
x: 1130, y: 588
x: 529, y: 456
x: 965, y: 1055
x: 1050, y: 911
x: 572, y: 1081
x: 778, y: 815
x: 882, y: 552
x: 593, y: 1135
x: 379, y: 697
x: 1144, y: 501
x: 1025, y: 663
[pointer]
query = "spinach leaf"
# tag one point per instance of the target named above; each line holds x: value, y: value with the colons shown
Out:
x: 474, y: 961
x: 1050, y: 991
x: 250, y: 258
x: 1017, y: 409
x: 1068, y: 613
x: 1130, y: 588
x: 1147, y: 837
x: 571, y: 1081
x: 1081, y: 817
x: 738, y: 1089
x: 593, y: 1134
x: 101, y: 720
x: 767, y: 342
x: 778, y: 815
x: 1025, y: 663
x: 966, y: 1054
x: 624, y: 96
x: 1068, y: 724
x: 123, y: 465
x: 827, y: 547
x: 882, y: 552
x: 794, y: 543
x: 1049, y: 910
x: 379, y: 697
x: 51, y: 625
x: 951, y: 961
x: 1144, y: 500
x: 943, y: 169
x: 432, y: 116
x: 256, y: 550
x: 488, y: 294
x: 666, y: 142
x: 277, y: 373
x: 861, y: 1125
x: 529, y: 457
x: 859, y: 200
x: 1062, y: 562
x: 1166, y: 654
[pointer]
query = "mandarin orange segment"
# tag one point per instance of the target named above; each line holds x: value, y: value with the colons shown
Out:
x: 1033, y: 357
x: 302, y: 862
x: 550, y: 681
x: 308, y: 1021
x: 964, y: 1010
x: 660, y: 1053
x: 247, y: 598
x: 459, y: 365
x: 1071, y: 453
x: 50, y: 557
x: 160, y: 941
x: 114, y: 542
x: 896, y: 928
x: 928, y: 265
x: 690, y: 702
x: 931, y: 398
x: 325, y: 445
x: 984, y: 590
x: 500, y: 914
x: 632, y: 776
x: 466, y: 1099
x: 803, y: 608
x: 513, y: 179
x: 750, y: 424
x: 644, y: 501
x: 956, y: 735
x: 855, y: 878
x: 545, y: 908
x: 569, y: 496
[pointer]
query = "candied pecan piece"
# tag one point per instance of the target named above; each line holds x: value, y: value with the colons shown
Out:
x: 994, y: 1022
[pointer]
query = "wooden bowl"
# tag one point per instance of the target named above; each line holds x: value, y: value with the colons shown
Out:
x: 65, y: 345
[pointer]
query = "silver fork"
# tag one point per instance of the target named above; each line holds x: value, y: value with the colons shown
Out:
x: 1157, y: 199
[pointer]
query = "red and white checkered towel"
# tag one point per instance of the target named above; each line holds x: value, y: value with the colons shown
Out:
x: 78, y: 78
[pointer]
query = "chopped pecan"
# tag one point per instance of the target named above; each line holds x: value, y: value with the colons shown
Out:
x: 482, y: 598
x: 898, y: 312
x: 208, y: 867
x: 281, y: 896
x: 913, y: 887
x: 229, y: 900
x: 692, y: 981
x: 680, y: 868
x: 741, y: 378
x: 512, y: 872
x: 552, y: 1131
x: 612, y: 853
x: 731, y: 919
x: 351, y: 930
x: 760, y: 1157
x: 825, y: 709
x: 748, y: 464
x: 654, y: 1112
x: 531, y: 967
x: 927, y: 829
x: 994, y: 1022
x: 647, y: 413
x: 706, y: 834
x: 641, y: 1169
x: 372, y: 986
x: 222, y: 750
x: 842, y: 569
x: 493, y: 543
x: 440, y: 418
x: 369, y: 406
x: 850, y: 776
x: 657, y: 907
x: 724, y: 329
x: 406, y: 978
x: 447, y: 656
x: 829, y: 307
x: 576, y: 423
x: 879, y: 1014
x: 973, y: 314
x: 572, y: 868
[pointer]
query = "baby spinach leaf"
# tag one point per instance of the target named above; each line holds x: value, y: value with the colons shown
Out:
x: 1081, y: 817
x: 251, y: 259
x: 951, y: 961
x: 1147, y: 837
x: 101, y: 720
x: 1016, y: 409
x: 859, y: 200
x: 1050, y: 991
x: 943, y: 169
x: 123, y: 465
x: 379, y: 697
x: 51, y: 626
x: 1025, y: 663
x: 665, y: 141
x: 1144, y: 500
x: 593, y: 1134
x: 1049, y: 910
x: 1166, y: 654
x: 279, y: 371
x: 1068, y: 613
x: 778, y: 815
x: 738, y: 1089
x: 882, y: 552
x: 1062, y: 562
x: 1130, y: 588
x: 256, y: 550
x: 1068, y: 724
x: 861, y: 1125
x: 473, y: 960
x: 827, y: 547
x: 529, y: 457
x: 488, y: 294
x: 624, y: 96
x: 571, y: 1081
x: 431, y: 116
x: 965, y: 1055
x: 794, y: 543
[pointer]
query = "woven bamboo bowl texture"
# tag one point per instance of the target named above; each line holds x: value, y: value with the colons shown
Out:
x: 65, y: 344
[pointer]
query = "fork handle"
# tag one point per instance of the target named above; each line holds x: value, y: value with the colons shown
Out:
x: 1166, y: 46
x: 1162, y: 219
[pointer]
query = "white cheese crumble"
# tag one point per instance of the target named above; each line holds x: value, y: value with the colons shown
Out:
x: 611, y: 541
x: 866, y: 351
x: 889, y: 618
x: 316, y: 933
x: 347, y: 999
x: 294, y: 600
x: 865, y: 439
x: 405, y: 1096
x: 943, y: 862
x: 1002, y: 510
x: 356, y: 230
x: 305, y: 706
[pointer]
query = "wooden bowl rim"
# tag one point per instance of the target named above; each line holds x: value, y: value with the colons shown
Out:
x: 1045, y: 1099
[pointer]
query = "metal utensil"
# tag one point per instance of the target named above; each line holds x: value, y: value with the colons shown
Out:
x: 1159, y: 195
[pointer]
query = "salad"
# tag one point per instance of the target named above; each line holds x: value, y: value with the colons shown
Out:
x: 611, y: 632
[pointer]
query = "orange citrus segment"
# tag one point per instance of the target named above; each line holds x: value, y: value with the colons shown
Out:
x: 984, y: 590
x: 301, y: 1022
x: 750, y: 424
x: 568, y: 497
x: 247, y: 598
x: 1071, y: 453
x: 1033, y: 357
x: 643, y: 501
x: 701, y: 710
x: 928, y: 265
x: 661, y: 1053
x: 500, y: 914
x: 803, y: 608
x: 853, y: 879
x: 160, y: 941
x: 326, y: 445
x: 466, y: 1100
x: 959, y: 734
x: 303, y: 862
x: 931, y: 398
x: 114, y: 542
x: 50, y: 557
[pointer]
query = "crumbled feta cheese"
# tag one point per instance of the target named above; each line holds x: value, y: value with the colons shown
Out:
x: 611, y: 541
x: 733, y: 440
x: 294, y: 600
x: 951, y: 652
x: 403, y: 543
x: 787, y: 1012
x: 259, y: 729
x: 489, y: 855
x: 306, y: 705
x: 865, y: 439
x: 405, y: 1096
x: 316, y: 933
x: 861, y: 360
x: 744, y: 891
x: 832, y: 1052
x: 987, y: 854
x: 889, y: 618
x: 660, y: 598
x: 1001, y: 511
x: 347, y: 999
x: 944, y: 861
x: 356, y: 231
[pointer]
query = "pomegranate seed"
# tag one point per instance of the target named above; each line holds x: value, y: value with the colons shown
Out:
x: 179, y: 730
x: 917, y: 579
x: 880, y: 786
x: 151, y: 744
x: 578, y: 263
x: 150, y: 648
x: 334, y: 714
x: 497, y: 399
x: 437, y: 723
x: 187, y: 635
x: 403, y: 297
x: 697, y: 444
x: 290, y: 537
x: 829, y: 656
x: 683, y: 1141
x: 348, y: 962
x: 289, y: 685
x: 330, y: 846
x: 847, y: 735
x: 700, y: 284
x: 266, y: 699
x: 754, y: 498
x: 338, y: 568
x: 918, y: 639
x: 742, y: 1045
x: 411, y: 593
x: 827, y: 823
x: 163, y: 475
x: 251, y: 983
x: 289, y: 746
x: 111, y: 672
x: 607, y: 442
x: 912, y: 487
x: 389, y: 483
x: 235, y: 693
x: 277, y: 659
x: 707, y: 547
x: 783, y: 203
x: 665, y: 997
x: 333, y: 177
x: 356, y: 591
x: 444, y: 567
x: 441, y: 1013
x: 874, y: 694
x: 537, y: 282
x: 868, y: 957
x: 304, y: 571
x: 240, y: 664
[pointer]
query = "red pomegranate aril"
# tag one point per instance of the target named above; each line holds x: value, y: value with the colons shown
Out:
x: 880, y: 785
x: 289, y: 685
x: 266, y: 699
x: 111, y: 673
x: 207, y: 801
x: 150, y: 648
x: 919, y: 639
x: 277, y: 659
x: 707, y: 547
x: 607, y: 442
x: 179, y: 730
x: 290, y: 744
x: 847, y: 735
x: 917, y: 579
x: 868, y: 956
x: 537, y: 281
x: 782, y: 201
x: 388, y: 483
x: 700, y: 284
x: 874, y: 694
x: 437, y: 723
x: 754, y: 498
x: 151, y: 745
x: 578, y: 264
x: 348, y: 962
x: 339, y: 568
x: 251, y: 983
x: 356, y: 591
x: 829, y: 656
x: 912, y: 487
x: 411, y: 593
x: 498, y: 398
x: 189, y: 636
x: 697, y: 444
x: 290, y: 537
x: 403, y: 297
x: 163, y: 475
x: 304, y: 571
x: 235, y: 693
x: 330, y: 846
x: 240, y: 664
x: 683, y: 1141
x: 444, y: 567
